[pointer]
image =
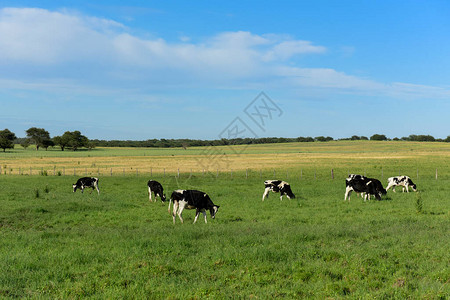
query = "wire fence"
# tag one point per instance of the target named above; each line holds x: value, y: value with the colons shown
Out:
x: 308, y: 173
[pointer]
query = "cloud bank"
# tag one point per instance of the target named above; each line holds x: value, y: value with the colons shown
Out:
x: 61, y: 49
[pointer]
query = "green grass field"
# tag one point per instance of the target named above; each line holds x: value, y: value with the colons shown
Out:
x: 56, y: 244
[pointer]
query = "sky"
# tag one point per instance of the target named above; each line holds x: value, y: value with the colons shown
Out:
x: 223, y: 69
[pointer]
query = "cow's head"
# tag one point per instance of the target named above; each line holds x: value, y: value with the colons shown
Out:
x: 213, y: 210
x: 163, y: 198
x: 414, y: 187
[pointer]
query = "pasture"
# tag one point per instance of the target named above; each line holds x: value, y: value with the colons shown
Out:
x: 58, y: 244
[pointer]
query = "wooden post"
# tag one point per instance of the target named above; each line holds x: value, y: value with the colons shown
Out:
x: 54, y: 170
x: 436, y: 174
x: 178, y: 172
x: 246, y: 173
x: 332, y: 174
x: 111, y: 171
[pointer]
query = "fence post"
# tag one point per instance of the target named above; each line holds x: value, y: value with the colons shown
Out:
x: 436, y: 174
x: 111, y: 171
x: 332, y: 174
x: 246, y: 173
x: 54, y: 170
x: 178, y: 172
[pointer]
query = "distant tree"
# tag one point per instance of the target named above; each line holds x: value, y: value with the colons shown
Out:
x: 320, y: 139
x: 447, y: 140
x: 355, y: 138
x: 396, y: 139
x: 63, y: 141
x: 421, y: 138
x: 365, y: 138
x: 378, y: 137
x: 38, y: 136
x: 7, y: 139
x: 305, y: 139
x: 25, y: 143
x: 47, y: 143
x: 77, y: 140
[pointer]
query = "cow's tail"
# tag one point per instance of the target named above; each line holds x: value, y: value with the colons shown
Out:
x: 170, y: 202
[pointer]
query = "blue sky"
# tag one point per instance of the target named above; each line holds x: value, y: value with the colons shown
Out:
x: 188, y: 69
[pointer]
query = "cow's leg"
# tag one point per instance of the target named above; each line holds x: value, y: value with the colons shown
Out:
x: 204, y: 214
x: 281, y: 196
x: 389, y: 186
x: 96, y: 187
x: 407, y: 188
x: 197, y: 212
x: 266, y: 193
x: 348, y: 191
x: 150, y: 194
x: 180, y: 210
x: 82, y: 189
x: 175, y: 210
x: 393, y: 188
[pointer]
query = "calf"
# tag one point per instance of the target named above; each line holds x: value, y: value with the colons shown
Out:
x: 192, y: 199
x: 368, y: 186
x: 157, y: 189
x: 403, y: 181
x: 86, y: 182
x: 278, y: 186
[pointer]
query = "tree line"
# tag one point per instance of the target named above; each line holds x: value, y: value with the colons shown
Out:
x: 74, y: 140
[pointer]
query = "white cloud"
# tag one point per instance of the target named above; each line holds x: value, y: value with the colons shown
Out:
x: 37, y: 46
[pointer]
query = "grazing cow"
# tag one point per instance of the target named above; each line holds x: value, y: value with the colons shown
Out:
x: 277, y: 186
x: 404, y: 181
x: 157, y: 189
x: 355, y: 176
x: 86, y: 182
x: 368, y: 186
x: 192, y: 199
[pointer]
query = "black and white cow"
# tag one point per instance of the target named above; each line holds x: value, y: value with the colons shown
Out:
x: 157, y: 189
x: 355, y: 176
x: 404, y: 181
x: 192, y: 199
x: 365, y: 185
x: 277, y: 186
x: 86, y: 182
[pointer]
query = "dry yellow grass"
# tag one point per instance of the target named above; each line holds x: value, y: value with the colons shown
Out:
x: 341, y: 154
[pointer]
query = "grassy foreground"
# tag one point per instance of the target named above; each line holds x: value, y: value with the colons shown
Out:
x: 57, y: 244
